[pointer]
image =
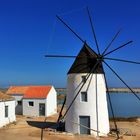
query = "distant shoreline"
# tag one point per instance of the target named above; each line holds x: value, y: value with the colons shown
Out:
x: 111, y: 90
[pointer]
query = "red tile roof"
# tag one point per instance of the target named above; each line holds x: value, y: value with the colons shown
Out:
x: 17, y: 89
x: 5, y: 97
x: 30, y: 91
x: 37, y: 92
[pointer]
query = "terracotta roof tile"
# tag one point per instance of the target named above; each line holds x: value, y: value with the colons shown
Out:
x: 17, y: 89
x: 5, y: 97
x: 37, y: 92
x: 30, y: 91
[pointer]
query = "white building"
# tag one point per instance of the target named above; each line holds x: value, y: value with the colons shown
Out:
x: 34, y: 100
x: 7, y: 109
x: 89, y: 110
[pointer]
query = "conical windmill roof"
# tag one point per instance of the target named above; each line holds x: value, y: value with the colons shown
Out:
x: 85, y: 61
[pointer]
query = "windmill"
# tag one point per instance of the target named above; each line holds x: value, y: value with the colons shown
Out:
x: 87, y: 88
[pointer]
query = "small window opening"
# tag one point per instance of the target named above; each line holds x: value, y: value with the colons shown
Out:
x: 19, y: 102
x: 84, y: 96
x: 6, y: 111
x: 84, y: 79
x: 31, y: 103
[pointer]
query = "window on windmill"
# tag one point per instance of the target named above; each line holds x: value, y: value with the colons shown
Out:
x: 19, y: 102
x: 83, y: 79
x: 84, y: 96
x: 31, y: 103
x: 6, y: 111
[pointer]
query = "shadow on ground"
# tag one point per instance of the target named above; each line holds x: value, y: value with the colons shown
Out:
x: 43, y: 125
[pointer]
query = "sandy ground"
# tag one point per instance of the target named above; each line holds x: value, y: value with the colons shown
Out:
x: 22, y: 131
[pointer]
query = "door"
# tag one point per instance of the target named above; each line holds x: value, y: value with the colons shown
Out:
x: 41, y: 109
x: 84, y: 124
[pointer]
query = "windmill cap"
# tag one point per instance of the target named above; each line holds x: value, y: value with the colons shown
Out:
x: 86, y: 61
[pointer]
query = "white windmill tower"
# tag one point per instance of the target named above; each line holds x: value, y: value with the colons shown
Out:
x: 90, y: 107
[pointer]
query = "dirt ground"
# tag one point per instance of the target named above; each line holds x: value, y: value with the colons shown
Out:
x: 20, y: 130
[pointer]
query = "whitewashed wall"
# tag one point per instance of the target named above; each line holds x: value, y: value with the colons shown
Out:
x: 50, y: 105
x: 33, y: 110
x: 87, y: 108
x: 52, y: 102
x: 11, y: 112
x: 18, y: 108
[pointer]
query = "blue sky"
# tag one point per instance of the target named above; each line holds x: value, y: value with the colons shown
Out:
x: 29, y: 30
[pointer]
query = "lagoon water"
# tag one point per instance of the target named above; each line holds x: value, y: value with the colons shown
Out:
x: 124, y: 105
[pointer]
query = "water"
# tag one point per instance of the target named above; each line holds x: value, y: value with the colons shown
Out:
x: 124, y: 104
x: 60, y: 102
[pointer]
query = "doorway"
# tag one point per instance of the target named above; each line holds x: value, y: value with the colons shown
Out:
x: 41, y: 109
x: 84, y: 122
